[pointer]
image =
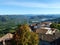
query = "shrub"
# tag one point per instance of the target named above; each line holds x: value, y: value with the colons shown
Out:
x: 23, y: 36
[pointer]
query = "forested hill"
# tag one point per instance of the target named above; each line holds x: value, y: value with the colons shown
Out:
x: 57, y: 20
x: 9, y: 22
x: 26, y: 18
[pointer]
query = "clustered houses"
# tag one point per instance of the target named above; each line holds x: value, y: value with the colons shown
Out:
x: 47, y: 35
x: 41, y: 27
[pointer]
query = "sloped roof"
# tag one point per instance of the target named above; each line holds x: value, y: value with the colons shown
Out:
x: 46, y: 22
x: 8, y: 36
x: 48, y: 37
x: 43, y: 31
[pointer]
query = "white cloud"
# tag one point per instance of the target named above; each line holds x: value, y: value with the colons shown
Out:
x: 25, y: 4
x: 33, y: 4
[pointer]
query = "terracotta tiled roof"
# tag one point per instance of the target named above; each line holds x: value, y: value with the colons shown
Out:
x: 46, y: 22
x: 43, y: 31
x: 48, y: 37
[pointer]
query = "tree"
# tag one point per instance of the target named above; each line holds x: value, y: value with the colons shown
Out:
x: 23, y: 36
x: 54, y: 25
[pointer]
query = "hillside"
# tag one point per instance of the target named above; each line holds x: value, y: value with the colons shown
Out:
x: 57, y: 20
x: 9, y: 22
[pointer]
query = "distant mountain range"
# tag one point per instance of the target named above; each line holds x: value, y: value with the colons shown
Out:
x: 22, y: 18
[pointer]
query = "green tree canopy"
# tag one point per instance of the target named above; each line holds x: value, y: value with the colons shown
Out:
x: 23, y: 36
x: 54, y: 25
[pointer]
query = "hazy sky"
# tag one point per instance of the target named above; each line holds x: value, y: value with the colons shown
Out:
x: 29, y: 6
